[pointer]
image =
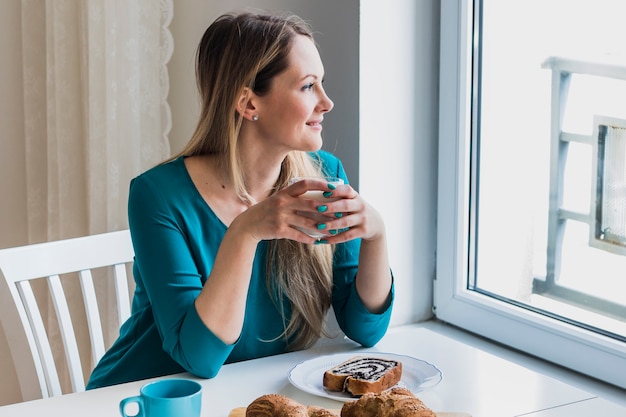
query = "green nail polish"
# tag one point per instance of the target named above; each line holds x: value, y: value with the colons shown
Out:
x: 338, y: 215
x: 321, y: 226
x: 333, y: 232
x: 321, y: 242
x: 322, y: 209
x: 331, y: 186
x: 327, y: 194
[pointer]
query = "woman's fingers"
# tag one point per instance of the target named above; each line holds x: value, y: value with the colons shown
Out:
x: 329, y: 215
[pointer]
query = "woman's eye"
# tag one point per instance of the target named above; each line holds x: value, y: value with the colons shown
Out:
x: 308, y: 87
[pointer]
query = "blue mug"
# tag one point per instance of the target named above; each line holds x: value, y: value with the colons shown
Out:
x: 165, y: 398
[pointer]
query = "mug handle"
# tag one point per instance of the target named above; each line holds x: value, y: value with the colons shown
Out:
x: 136, y: 399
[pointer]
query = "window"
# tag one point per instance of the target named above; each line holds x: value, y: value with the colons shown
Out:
x: 532, y: 179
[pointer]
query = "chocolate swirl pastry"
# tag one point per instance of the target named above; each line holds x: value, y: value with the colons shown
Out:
x: 362, y: 374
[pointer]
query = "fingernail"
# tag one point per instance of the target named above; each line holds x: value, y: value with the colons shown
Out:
x: 344, y: 230
x: 321, y: 242
x: 331, y: 186
x: 321, y: 226
x: 327, y: 194
x: 322, y: 209
x: 338, y: 215
x: 333, y: 231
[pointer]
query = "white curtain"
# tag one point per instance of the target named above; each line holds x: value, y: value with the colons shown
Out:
x: 95, y: 89
x: 96, y: 115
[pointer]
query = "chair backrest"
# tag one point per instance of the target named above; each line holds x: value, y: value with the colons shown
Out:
x: 21, y: 316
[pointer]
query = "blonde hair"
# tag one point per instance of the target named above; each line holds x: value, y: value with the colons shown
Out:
x: 247, y: 50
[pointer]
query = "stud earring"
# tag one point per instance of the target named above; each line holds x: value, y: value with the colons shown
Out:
x: 255, y: 117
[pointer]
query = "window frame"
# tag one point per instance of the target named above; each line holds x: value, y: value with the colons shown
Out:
x: 511, y: 324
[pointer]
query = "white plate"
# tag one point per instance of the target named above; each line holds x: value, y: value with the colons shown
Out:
x: 417, y: 375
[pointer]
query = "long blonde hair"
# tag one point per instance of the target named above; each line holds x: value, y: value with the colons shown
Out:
x: 241, y: 51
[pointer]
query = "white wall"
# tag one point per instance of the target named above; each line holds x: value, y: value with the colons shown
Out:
x: 383, y: 126
x: 398, y: 142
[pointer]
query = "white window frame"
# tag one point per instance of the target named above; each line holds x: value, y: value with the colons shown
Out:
x: 513, y: 325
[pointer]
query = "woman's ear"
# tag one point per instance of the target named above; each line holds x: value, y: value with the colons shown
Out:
x: 245, y: 105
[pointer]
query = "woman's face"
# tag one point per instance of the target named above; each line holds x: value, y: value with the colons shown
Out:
x: 291, y: 113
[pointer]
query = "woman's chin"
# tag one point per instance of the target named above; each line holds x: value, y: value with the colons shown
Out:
x: 314, y: 146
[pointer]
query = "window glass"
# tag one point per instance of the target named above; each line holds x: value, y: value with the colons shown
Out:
x: 546, y: 74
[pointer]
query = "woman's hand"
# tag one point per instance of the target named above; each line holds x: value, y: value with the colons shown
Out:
x: 347, y: 215
x: 341, y: 213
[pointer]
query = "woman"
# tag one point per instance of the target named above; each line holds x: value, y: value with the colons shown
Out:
x: 222, y: 272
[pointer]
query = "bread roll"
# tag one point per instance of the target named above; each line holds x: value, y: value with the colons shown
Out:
x: 276, y: 405
x: 396, y: 402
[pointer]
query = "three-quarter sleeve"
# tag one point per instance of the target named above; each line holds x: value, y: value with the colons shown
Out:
x: 172, y: 280
x: 354, y: 319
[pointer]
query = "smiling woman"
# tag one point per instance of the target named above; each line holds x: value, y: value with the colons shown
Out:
x: 222, y: 269
x: 337, y: 25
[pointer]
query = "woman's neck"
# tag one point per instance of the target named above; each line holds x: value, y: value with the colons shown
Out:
x: 260, y: 177
x: 261, y: 168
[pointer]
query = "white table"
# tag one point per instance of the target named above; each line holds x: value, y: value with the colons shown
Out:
x: 474, y: 381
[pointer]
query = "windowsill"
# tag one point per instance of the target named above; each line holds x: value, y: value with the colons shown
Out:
x: 553, y: 372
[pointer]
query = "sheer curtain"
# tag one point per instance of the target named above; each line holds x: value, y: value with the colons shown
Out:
x: 95, y: 89
x: 96, y: 115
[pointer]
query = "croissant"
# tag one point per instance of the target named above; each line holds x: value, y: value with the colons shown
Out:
x: 396, y: 402
x: 276, y: 405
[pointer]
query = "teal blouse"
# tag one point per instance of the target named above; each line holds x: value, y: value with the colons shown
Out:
x: 176, y: 236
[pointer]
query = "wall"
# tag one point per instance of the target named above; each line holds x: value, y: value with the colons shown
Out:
x: 381, y: 61
x: 399, y: 65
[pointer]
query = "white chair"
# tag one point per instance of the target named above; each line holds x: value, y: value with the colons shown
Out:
x: 22, y: 319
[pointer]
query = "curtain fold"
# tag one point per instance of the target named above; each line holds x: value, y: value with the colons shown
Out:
x: 96, y: 115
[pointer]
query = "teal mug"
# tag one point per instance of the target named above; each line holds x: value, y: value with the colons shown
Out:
x: 165, y: 398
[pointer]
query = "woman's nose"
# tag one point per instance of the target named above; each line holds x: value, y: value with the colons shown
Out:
x: 326, y: 103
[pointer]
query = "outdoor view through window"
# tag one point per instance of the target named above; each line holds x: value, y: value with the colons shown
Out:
x: 549, y: 173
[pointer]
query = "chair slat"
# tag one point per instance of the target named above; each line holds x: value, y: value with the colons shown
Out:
x: 41, y: 339
x: 21, y: 341
x: 93, y: 315
x: 67, y: 333
x: 122, y: 293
